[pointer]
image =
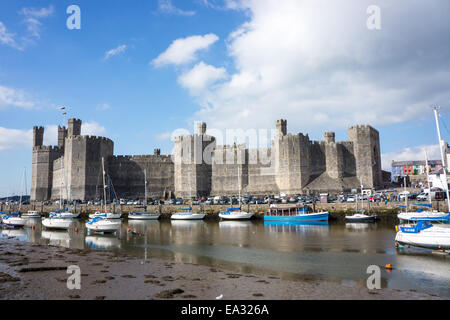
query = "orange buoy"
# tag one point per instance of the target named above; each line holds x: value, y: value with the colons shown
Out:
x: 389, y: 266
x: 128, y: 230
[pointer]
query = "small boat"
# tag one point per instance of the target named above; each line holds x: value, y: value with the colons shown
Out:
x: 99, y: 224
x: 294, y: 214
x: 105, y: 215
x: 235, y: 214
x: 64, y: 214
x: 360, y: 217
x: 31, y: 214
x: 14, y: 220
x: 187, y: 214
x: 424, y: 235
x: 57, y: 223
x: 430, y: 215
x: 143, y: 216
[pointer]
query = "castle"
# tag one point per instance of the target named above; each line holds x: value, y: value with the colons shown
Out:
x: 293, y: 164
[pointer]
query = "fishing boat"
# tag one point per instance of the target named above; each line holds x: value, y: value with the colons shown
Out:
x: 102, y: 225
x: 294, y: 214
x: 424, y: 234
x: 144, y: 215
x: 187, y: 214
x: 236, y: 213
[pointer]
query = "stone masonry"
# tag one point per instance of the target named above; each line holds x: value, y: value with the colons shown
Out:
x: 293, y: 164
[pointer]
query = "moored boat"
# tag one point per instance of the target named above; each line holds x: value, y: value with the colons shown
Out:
x: 56, y: 222
x: 187, y: 214
x: 99, y: 224
x: 424, y: 235
x: 105, y: 215
x: 235, y: 214
x: 143, y: 216
x: 14, y: 220
x: 294, y: 214
x: 31, y: 214
x: 360, y: 217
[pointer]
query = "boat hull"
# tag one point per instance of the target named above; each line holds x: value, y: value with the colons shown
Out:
x: 322, y: 216
x: 436, y: 238
x: 57, y: 224
x: 360, y: 218
x: 144, y: 216
x: 236, y: 215
x: 192, y: 216
x: 14, y: 222
x: 104, y: 226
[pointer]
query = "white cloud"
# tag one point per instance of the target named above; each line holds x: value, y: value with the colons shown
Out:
x: 11, y: 97
x: 201, y: 76
x: 15, y: 138
x: 166, y: 6
x: 113, y: 52
x: 32, y: 19
x: 7, y: 38
x: 317, y: 59
x: 411, y: 154
x: 184, y: 50
x: 103, y: 107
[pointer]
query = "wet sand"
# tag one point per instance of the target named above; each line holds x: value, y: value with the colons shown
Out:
x: 32, y: 271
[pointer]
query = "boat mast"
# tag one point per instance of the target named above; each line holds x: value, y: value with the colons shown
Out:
x: 428, y: 177
x: 406, y: 195
x: 239, y: 182
x: 104, y: 182
x: 362, y: 198
x: 20, y: 198
x: 145, y: 193
x: 441, y: 146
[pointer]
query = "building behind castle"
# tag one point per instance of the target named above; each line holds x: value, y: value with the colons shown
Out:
x: 293, y: 164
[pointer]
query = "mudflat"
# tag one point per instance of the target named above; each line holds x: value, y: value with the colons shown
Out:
x: 34, y: 271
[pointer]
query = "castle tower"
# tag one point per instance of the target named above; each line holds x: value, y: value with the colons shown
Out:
x: 74, y: 127
x: 38, y: 136
x: 62, y: 134
x: 292, y: 160
x: 281, y: 127
x: 366, y: 144
x: 334, y: 157
x: 193, y: 163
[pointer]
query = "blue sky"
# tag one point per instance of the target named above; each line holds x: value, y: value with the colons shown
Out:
x: 138, y: 70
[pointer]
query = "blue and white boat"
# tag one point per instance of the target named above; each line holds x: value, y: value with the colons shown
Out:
x: 294, y: 214
x: 14, y: 220
x: 428, y: 215
x: 102, y: 225
x: 424, y: 235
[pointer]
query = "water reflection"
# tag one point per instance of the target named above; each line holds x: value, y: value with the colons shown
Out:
x: 333, y: 251
x: 103, y: 242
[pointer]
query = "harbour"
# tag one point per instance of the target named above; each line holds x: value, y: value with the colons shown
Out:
x: 331, y: 253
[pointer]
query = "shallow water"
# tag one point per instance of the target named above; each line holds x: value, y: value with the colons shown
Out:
x: 324, y: 251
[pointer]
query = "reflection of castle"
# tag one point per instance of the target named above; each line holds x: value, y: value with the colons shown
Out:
x: 293, y: 164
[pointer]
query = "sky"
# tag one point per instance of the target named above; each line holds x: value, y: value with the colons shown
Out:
x: 139, y: 71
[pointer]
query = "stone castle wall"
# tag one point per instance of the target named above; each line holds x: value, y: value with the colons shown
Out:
x: 293, y: 164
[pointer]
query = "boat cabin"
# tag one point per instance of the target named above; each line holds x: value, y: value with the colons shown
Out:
x: 288, y: 211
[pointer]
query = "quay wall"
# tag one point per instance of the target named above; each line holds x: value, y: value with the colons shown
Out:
x: 338, y: 211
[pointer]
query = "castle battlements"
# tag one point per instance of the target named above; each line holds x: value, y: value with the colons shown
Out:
x: 291, y: 164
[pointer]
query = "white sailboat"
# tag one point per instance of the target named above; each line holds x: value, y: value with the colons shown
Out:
x: 14, y: 219
x: 430, y: 215
x: 31, y: 213
x: 144, y: 215
x: 101, y: 222
x: 424, y: 234
x: 360, y: 217
x: 186, y: 213
x: 236, y: 213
